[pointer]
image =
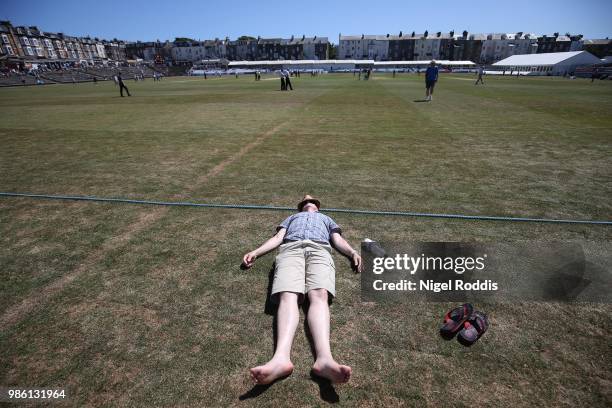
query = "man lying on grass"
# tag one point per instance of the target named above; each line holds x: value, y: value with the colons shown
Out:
x: 304, y: 265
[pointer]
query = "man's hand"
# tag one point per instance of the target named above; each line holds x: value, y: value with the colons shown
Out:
x: 356, y: 262
x: 345, y: 249
x: 248, y: 260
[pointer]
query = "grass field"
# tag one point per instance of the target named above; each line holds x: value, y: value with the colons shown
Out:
x: 145, y: 306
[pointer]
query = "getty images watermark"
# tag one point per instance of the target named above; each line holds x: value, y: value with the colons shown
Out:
x: 414, y: 264
x: 452, y: 271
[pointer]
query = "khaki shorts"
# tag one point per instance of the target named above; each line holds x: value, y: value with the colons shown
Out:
x: 302, y: 266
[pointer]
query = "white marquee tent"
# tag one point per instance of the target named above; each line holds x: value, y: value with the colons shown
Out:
x: 552, y: 63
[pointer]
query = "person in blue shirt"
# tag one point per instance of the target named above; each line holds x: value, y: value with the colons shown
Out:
x: 304, y: 268
x: 431, y: 77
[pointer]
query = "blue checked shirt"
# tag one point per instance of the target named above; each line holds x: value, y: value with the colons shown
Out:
x: 309, y: 225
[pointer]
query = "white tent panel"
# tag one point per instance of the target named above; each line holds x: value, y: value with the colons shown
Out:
x: 550, y: 58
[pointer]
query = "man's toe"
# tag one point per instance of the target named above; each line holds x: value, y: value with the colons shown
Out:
x: 347, y: 373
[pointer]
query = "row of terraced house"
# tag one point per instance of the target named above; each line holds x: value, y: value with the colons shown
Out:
x: 28, y: 45
x: 23, y: 45
x: 479, y: 48
x: 187, y: 51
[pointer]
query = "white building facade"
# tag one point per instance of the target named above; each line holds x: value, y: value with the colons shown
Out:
x: 499, y: 46
x: 373, y: 47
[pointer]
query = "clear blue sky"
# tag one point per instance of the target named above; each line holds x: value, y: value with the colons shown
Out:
x: 152, y: 20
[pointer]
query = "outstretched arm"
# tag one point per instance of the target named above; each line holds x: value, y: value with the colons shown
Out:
x: 249, y: 259
x: 345, y: 249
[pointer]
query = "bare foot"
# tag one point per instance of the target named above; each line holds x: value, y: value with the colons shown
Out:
x: 328, y: 368
x: 271, y: 371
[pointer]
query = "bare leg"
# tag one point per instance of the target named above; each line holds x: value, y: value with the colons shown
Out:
x: 318, y: 321
x: 280, y: 365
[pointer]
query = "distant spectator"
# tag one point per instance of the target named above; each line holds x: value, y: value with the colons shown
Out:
x: 594, y: 74
x: 122, y: 85
x: 480, y: 74
x: 287, y: 80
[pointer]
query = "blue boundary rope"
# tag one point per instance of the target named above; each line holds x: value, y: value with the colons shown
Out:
x: 329, y: 210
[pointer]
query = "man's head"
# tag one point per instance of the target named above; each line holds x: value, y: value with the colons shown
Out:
x: 432, y: 63
x: 309, y: 203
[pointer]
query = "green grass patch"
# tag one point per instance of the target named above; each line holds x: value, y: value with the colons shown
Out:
x: 167, y: 317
